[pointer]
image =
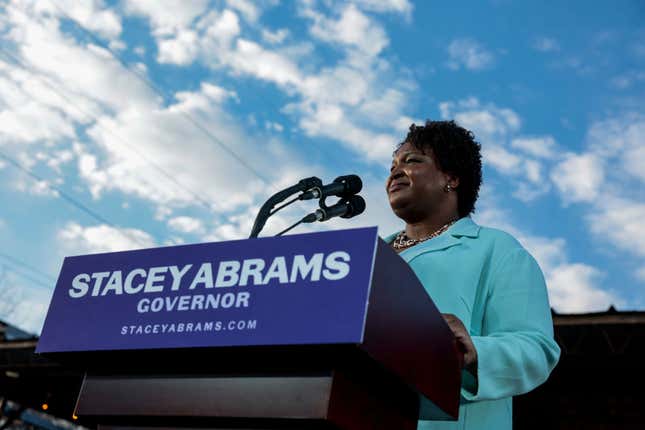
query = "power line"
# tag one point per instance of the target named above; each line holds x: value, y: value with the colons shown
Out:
x: 36, y: 281
x: 27, y: 266
x: 60, y: 93
x: 69, y: 199
x: 165, y: 95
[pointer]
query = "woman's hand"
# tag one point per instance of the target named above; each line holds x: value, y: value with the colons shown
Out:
x: 464, y: 342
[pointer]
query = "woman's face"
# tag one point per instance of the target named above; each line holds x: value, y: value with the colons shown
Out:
x: 416, y: 186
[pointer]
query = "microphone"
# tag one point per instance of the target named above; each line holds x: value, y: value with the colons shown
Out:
x: 346, y: 208
x: 343, y: 187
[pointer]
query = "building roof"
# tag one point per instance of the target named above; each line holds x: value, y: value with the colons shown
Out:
x: 609, y: 317
x: 10, y: 333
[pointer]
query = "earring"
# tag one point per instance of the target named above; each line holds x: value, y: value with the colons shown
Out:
x: 447, y: 188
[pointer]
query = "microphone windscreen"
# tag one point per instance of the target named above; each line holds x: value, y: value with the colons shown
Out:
x: 356, y: 206
x: 352, y: 183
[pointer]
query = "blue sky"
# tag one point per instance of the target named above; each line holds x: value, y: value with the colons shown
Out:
x: 138, y: 123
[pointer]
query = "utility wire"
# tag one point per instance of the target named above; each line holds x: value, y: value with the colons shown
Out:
x: 27, y: 266
x: 141, y: 155
x: 165, y: 95
x: 36, y: 281
x: 69, y: 199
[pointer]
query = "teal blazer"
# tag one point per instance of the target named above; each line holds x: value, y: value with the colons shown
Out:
x: 496, y: 288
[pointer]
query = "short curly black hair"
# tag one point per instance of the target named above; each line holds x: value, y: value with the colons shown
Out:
x: 456, y: 153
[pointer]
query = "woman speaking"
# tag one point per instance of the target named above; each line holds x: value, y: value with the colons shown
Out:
x: 488, y: 287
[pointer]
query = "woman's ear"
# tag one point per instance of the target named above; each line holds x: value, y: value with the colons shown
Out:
x: 452, y: 180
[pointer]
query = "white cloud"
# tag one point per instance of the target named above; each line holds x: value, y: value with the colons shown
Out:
x: 91, y: 14
x: 469, y: 54
x: 30, y: 313
x: 627, y: 80
x: 633, y: 160
x: 219, y: 28
x: 607, y: 176
x: 275, y: 37
x: 620, y: 221
x: 331, y: 121
x: 572, y: 289
x: 578, y: 177
x: 354, y: 101
x: 401, y: 6
x: 535, y: 185
x: 185, y: 224
x: 247, y: 8
x: 546, y: 44
x: 36, y: 187
x: 211, y: 37
x: 239, y: 226
x: 494, y: 127
x: 572, y: 286
x: 386, y: 108
x: 352, y: 28
x: 88, y: 77
x: 275, y: 126
x: 339, y: 85
x: 76, y: 239
x: 540, y: 147
x: 124, y: 111
x: 251, y: 58
x: 621, y: 139
x: 358, y: 86
x: 21, y: 304
x: 127, y: 111
x: 489, y: 122
x: 183, y: 165
x: 403, y: 123
x: 181, y: 49
x: 533, y: 171
x: 503, y: 160
x: 585, y: 176
x: 167, y: 16
x: 170, y: 139
x: 31, y: 122
x: 30, y: 111
x: 119, y: 45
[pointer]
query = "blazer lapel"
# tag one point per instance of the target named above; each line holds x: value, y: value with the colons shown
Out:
x: 465, y: 227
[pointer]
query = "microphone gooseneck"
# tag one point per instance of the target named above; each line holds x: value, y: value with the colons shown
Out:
x: 265, y: 211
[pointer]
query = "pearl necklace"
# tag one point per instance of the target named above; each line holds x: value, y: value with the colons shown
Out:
x: 402, y: 241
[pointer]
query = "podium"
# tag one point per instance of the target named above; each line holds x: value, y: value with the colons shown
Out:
x: 326, y: 330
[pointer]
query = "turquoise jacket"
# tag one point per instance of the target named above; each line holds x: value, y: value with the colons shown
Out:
x: 495, y: 287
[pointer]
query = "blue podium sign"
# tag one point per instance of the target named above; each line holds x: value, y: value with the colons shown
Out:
x: 299, y: 289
